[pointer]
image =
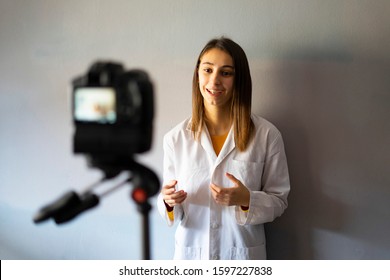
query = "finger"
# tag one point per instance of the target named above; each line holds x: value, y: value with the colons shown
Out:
x: 232, y: 178
x: 166, y: 190
x: 175, y: 199
x: 215, y: 188
x: 181, y: 198
x: 175, y: 195
x: 218, y: 196
x: 221, y: 199
x: 178, y: 194
x: 172, y: 183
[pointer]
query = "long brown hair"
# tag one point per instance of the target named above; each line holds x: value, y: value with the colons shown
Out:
x: 242, y: 94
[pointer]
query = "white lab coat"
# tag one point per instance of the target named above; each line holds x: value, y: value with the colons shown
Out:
x: 207, y: 230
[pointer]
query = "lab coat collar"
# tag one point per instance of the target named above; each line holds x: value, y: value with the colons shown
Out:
x: 205, y: 141
x: 227, y: 148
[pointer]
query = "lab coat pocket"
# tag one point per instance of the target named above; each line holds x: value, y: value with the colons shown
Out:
x: 187, y: 253
x: 249, y: 173
x: 250, y: 253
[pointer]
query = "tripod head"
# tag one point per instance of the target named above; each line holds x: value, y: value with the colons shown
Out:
x: 71, y: 204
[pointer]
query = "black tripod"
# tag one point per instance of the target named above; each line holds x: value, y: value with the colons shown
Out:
x: 145, y: 182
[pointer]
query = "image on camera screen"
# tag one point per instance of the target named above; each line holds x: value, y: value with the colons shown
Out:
x: 95, y: 105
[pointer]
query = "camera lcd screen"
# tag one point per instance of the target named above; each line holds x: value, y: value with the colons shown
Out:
x: 95, y: 104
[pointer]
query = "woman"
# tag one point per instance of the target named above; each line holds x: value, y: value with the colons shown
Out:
x: 225, y: 169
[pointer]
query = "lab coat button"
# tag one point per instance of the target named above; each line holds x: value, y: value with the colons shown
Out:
x: 214, y: 225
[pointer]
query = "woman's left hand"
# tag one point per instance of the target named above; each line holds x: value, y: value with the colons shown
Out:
x: 238, y: 194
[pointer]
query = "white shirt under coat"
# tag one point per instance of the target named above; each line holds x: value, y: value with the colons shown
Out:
x: 207, y: 230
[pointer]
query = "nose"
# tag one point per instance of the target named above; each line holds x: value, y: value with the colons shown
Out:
x: 215, y: 79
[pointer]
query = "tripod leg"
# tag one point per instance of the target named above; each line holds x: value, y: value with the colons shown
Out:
x: 144, y: 210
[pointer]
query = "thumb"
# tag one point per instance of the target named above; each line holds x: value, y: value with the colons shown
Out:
x: 172, y: 183
x: 232, y: 178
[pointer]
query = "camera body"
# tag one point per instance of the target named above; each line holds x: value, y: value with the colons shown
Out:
x: 113, y: 112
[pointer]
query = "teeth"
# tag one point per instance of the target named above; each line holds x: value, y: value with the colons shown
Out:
x: 214, y: 91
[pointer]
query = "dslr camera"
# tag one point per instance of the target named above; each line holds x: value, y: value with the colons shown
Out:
x: 113, y: 112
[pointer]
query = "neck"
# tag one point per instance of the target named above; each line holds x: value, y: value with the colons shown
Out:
x: 218, y: 122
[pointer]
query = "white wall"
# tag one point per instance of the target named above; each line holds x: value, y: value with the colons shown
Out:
x: 321, y: 75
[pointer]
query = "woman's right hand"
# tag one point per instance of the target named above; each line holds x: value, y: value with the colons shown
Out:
x: 172, y: 197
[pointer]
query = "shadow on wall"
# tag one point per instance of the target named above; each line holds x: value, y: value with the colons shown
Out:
x: 289, y: 237
x: 332, y: 115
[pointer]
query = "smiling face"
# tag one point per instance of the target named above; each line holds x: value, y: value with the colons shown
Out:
x: 216, y: 79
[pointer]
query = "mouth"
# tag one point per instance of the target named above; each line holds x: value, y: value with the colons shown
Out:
x: 214, y: 92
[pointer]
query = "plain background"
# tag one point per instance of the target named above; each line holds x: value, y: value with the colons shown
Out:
x: 321, y: 74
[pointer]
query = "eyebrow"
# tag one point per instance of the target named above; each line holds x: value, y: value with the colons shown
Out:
x: 224, y: 66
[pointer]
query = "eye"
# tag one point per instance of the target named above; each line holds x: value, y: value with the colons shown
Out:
x: 227, y: 73
x: 207, y: 70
